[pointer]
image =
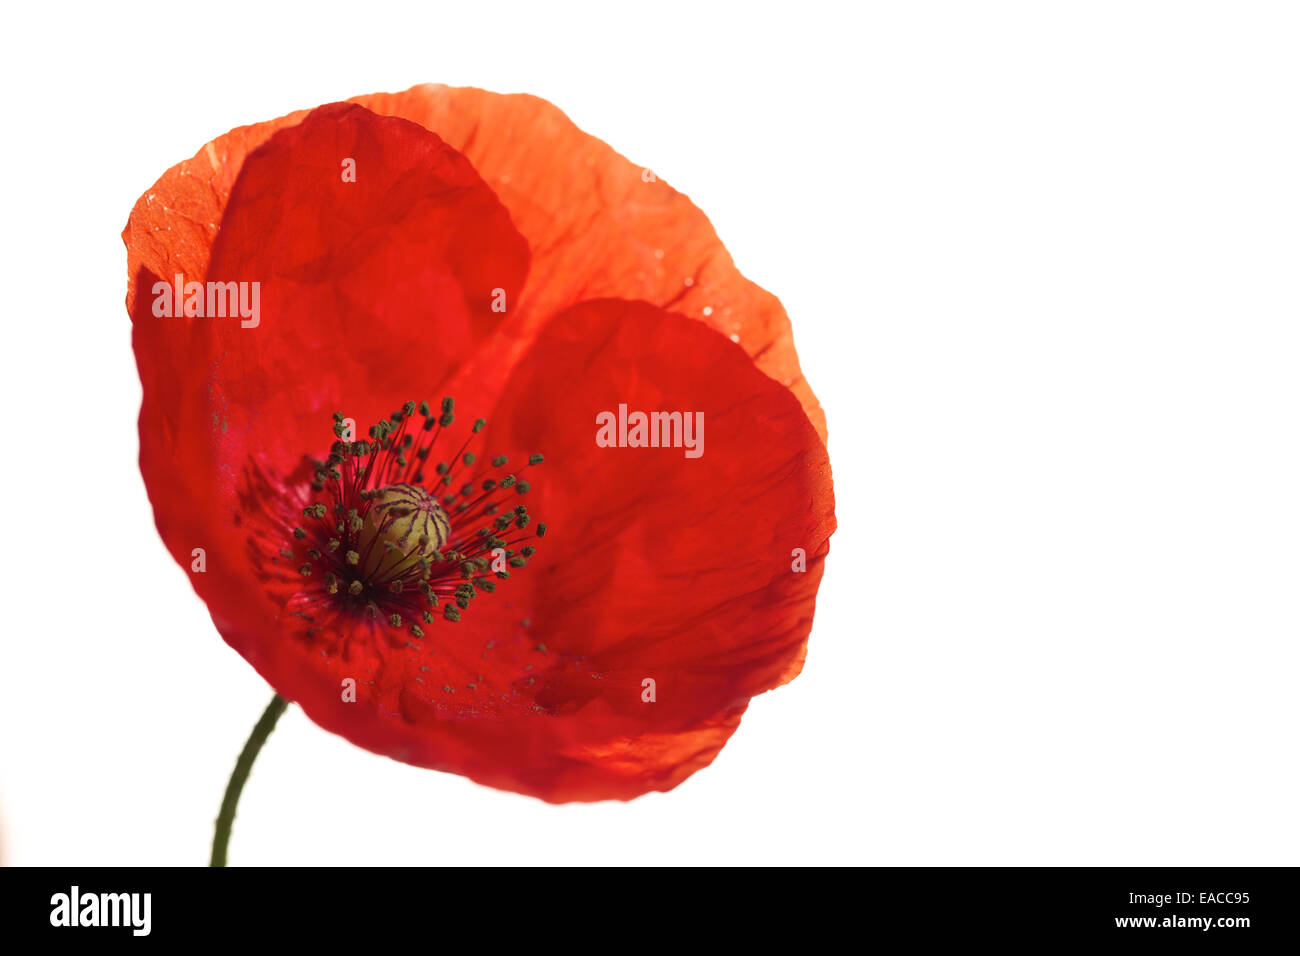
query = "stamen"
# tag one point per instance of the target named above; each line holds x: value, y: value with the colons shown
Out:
x: 379, y: 543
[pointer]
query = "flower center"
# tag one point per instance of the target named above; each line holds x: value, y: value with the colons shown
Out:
x: 381, y: 541
x: 403, y: 525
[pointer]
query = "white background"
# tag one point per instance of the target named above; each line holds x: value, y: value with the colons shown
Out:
x: 1041, y: 260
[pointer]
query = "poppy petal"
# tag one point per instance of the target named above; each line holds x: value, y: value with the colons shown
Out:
x: 375, y: 287
x: 596, y: 227
x: 600, y: 226
x: 656, y: 559
x: 368, y: 288
x: 654, y: 565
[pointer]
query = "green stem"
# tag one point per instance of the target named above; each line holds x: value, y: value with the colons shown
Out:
x: 226, y: 818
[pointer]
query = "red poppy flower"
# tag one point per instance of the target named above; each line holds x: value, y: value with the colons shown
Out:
x: 452, y: 242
